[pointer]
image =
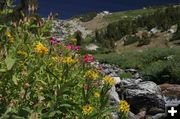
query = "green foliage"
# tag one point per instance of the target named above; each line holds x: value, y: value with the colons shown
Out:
x: 131, y: 39
x: 176, y: 36
x: 160, y: 64
x: 145, y: 40
x: 126, y: 75
x: 162, y: 18
x: 78, y: 36
x: 36, y: 81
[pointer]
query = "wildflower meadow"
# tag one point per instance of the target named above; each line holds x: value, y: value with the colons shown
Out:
x: 41, y: 77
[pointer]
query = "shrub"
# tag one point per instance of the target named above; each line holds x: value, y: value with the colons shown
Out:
x: 130, y: 40
x: 145, y: 40
x: 78, y: 36
x: 176, y: 36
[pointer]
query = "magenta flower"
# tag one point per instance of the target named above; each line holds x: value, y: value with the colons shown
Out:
x: 72, y: 47
x: 54, y: 41
x: 77, y: 47
x: 88, y: 58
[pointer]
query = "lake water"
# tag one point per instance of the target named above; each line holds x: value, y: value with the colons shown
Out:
x: 69, y: 8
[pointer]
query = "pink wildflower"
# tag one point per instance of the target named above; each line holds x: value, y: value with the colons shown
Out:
x: 88, y: 58
x: 72, y: 47
x: 54, y: 41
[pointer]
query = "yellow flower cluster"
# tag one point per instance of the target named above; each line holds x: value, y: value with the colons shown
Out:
x: 57, y: 58
x: 124, y: 106
x: 97, y: 94
x: 87, y: 109
x: 10, y: 37
x: 74, y: 40
x: 22, y: 53
x: 69, y: 60
x: 109, y: 80
x: 91, y: 74
x: 41, y: 49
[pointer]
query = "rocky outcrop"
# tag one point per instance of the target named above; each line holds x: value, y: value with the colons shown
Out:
x: 145, y: 97
x: 142, y: 95
x: 63, y: 28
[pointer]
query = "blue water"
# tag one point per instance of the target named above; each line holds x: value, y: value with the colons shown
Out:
x: 69, y: 8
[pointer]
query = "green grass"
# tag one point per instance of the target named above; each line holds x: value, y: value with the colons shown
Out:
x: 128, y: 14
x: 159, y: 65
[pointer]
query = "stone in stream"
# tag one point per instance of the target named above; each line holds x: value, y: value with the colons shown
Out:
x: 141, y: 95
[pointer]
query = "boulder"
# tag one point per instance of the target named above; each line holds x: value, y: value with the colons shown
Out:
x: 173, y: 29
x: 141, y: 115
x: 170, y: 89
x: 132, y: 116
x: 140, y: 95
x: 114, y: 98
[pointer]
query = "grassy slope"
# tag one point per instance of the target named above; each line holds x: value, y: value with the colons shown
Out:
x: 128, y: 14
x: 102, y: 21
x: 159, y: 64
x: 132, y: 13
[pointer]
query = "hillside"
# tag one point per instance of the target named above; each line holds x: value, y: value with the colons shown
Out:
x: 109, y: 29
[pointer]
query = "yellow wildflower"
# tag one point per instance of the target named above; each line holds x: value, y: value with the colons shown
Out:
x: 91, y: 74
x: 22, y: 53
x: 124, y: 106
x: 74, y: 40
x: 109, y: 80
x: 87, y: 109
x: 41, y: 49
x: 10, y: 37
x: 57, y: 58
x: 69, y: 60
x: 97, y: 94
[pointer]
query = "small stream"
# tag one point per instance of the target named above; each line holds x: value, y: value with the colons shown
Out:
x: 172, y: 100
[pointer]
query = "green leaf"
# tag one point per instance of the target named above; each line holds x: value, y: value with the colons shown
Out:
x: 3, y: 70
x: 33, y: 26
x: 65, y: 105
x: 9, y: 62
x: 15, y: 79
x: 52, y: 114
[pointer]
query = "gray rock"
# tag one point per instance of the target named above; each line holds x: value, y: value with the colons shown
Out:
x: 155, y: 110
x: 132, y: 116
x: 114, y: 97
x: 106, y: 71
x: 141, y: 115
x: 111, y: 69
x: 136, y: 75
x: 114, y: 115
x: 113, y: 74
x: 142, y: 95
x: 131, y: 70
x: 157, y: 116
